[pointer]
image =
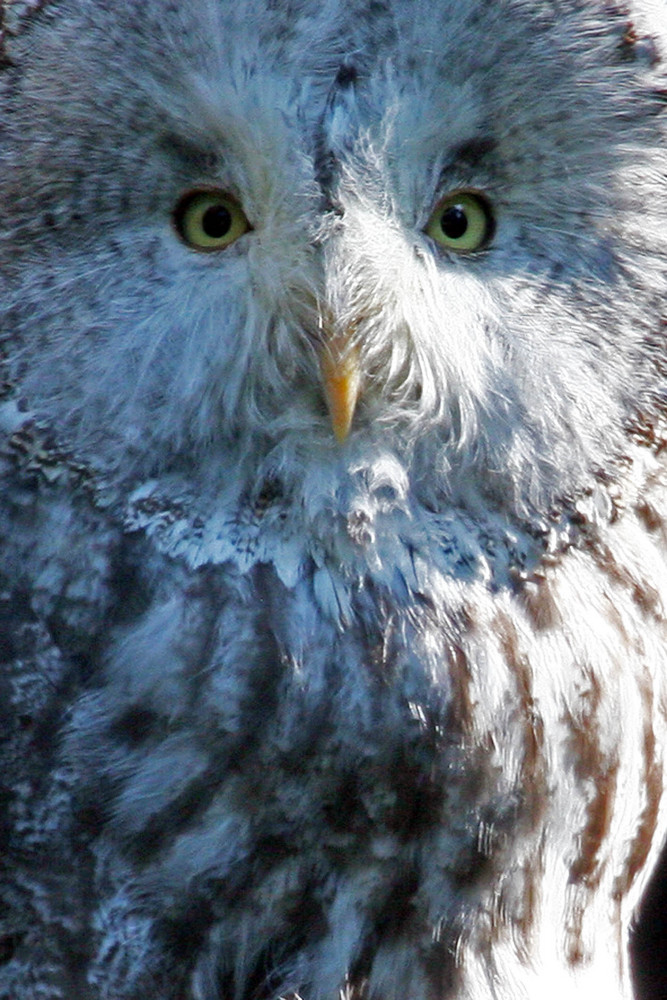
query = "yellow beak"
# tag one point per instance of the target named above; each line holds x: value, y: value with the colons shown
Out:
x: 341, y: 377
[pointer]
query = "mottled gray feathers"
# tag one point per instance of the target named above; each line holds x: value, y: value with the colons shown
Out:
x: 332, y: 546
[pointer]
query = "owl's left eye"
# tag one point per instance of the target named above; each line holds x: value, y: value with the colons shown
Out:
x: 462, y: 221
x: 209, y: 220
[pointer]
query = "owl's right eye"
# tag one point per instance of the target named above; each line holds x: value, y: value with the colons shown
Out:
x: 209, y: 220
x: 461, y: 222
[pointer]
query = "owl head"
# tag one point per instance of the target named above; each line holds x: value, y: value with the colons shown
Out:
x: 240, y: 234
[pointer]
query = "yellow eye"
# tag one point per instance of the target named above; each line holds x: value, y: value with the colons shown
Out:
x: 209, y: 220
x: 462, y: 222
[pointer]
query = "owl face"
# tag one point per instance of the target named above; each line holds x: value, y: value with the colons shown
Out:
x: 227, y: 234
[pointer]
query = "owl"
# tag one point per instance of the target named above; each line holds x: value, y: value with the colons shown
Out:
x: 333, y: 505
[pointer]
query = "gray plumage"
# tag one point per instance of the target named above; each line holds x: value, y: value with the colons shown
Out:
x: 377, y: 713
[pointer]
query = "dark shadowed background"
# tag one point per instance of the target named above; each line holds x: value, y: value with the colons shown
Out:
x: 650, y: 939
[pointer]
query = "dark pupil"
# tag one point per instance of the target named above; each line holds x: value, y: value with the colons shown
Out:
x: 454, y: 222
x: 216, y: 221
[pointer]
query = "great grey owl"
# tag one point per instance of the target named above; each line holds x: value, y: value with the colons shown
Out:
x: 334, y: 494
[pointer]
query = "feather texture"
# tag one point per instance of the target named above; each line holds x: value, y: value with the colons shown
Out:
x: 286, y: 716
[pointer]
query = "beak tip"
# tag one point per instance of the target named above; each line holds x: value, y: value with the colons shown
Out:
x: 342, y: 386
x: 341, y: 429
